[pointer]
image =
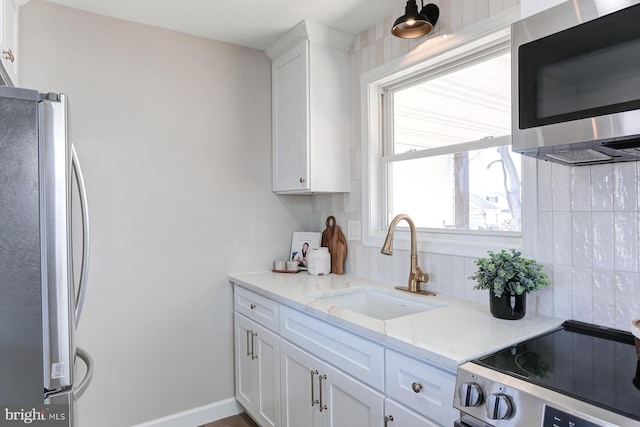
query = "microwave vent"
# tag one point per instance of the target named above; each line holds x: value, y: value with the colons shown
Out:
x: 578, y: 157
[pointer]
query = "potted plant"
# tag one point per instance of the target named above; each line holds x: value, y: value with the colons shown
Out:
x: 509, y: 277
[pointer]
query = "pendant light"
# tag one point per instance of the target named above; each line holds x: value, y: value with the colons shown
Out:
x: 414, y: 24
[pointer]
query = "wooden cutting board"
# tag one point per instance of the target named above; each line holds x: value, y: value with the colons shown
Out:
x: 333, y: 239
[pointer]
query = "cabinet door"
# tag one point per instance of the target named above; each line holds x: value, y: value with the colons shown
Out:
x: 9, y: 37
x: 257, y: 371
x: 399, y: 416
x: 290, y: 87
x: 267, y: 358
x: 349, y: 403
x: 299, y: 387
x: 246, y: 391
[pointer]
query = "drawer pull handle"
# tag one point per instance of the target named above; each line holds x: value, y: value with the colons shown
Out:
x: 253, y: 349
x: 323, y: 407
x: 387, y: 419
x: 252, y: 306
x: 417, y: 387
x: 313, y: 399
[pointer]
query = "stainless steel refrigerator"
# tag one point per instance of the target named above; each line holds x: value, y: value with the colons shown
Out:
x: 40, y: 302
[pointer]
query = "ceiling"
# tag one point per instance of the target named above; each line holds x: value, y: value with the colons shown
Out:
x: 254, y: 24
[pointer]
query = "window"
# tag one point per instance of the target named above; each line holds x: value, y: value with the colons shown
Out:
x: 437, y: 137
x: 446, y: 156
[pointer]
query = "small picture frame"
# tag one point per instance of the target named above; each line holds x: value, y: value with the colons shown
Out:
x: 301, y: 243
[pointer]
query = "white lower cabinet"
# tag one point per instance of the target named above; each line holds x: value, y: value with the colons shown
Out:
x: 257, y: 371
x: 314, y: 394
x: 396, y: 415
x: 294, y: 370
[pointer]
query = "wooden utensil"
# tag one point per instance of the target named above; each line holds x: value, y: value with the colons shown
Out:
x: 333, y: 239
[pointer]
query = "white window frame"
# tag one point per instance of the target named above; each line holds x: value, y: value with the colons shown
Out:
x: 434, y: 53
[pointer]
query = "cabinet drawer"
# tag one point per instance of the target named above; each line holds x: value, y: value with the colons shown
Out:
x: 399, y: 416
x: 257, y: 308
x: 361, y: 358
x: 421, y: 387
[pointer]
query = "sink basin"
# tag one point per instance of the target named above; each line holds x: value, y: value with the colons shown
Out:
x: 378, y: 303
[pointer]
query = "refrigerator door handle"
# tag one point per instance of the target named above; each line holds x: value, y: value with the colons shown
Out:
x: 84, y: 269
x: 84, y: 384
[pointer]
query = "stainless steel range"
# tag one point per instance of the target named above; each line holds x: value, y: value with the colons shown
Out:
x: 579, y: 375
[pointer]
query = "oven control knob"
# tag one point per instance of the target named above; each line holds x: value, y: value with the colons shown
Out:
x: 470, y: 394
x: 499, y: 406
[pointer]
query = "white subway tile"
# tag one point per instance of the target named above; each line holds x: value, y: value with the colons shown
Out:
x: 562, y: 238
x: 604, y: 312
x: 625, y: 193
x: 545, y: 237
x: 561, y: 188
x: 562, y: 292
x: 603, y: 240
x: 544, y: 188
x: 602, y: 187
x: 582, y: 283
x: 581, y: 235
x: 545, y: 296
x: 581, y: 189
x: 626, y: 241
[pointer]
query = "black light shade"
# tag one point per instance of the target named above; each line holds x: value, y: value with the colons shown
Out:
x: 414, y: 24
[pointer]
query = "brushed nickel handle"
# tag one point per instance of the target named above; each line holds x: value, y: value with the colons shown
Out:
x: 248, y: 351
x: 417, y: 387
x: 313, y: 399
x: 253, y: 349
x: 387, y: 419
x: 252, y: 306
x: 9, y: 55
x: 323, y: 407
x: 301, y: 179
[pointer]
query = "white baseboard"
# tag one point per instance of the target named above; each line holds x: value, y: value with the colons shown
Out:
x: 198, y: 416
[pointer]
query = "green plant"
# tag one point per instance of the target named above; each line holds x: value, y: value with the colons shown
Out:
x: 509, y: 271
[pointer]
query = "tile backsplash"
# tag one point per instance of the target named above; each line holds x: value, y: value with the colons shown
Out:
x: 587, y: 216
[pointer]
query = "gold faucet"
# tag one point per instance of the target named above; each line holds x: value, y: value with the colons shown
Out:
x: 416, y: 275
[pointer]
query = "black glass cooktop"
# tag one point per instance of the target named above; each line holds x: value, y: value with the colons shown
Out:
x: 594, y: 364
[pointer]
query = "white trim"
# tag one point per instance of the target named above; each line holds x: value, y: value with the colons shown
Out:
x: 198, y: 416
x: 306, y: 30
x: 435, y: 51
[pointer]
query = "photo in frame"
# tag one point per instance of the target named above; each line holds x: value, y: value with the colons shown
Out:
x: 301, y: 243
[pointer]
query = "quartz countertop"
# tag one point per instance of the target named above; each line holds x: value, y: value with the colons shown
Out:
x: 448, y: 336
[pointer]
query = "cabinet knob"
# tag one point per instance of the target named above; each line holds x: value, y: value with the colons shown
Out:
x: 301, y: 179
x: 8, y: 54
x: 417, y: 387
x: 252, y: 306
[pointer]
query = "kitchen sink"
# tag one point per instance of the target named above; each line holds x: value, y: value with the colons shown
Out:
x: 378, y: 303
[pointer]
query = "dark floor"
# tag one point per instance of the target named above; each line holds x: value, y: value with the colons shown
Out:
x: 241, y: 420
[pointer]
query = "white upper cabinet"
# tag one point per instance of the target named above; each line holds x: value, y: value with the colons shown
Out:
x: 310, y: 110
x: 9, y: 38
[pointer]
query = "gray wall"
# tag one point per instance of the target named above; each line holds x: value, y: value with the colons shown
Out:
x: 174, y: 136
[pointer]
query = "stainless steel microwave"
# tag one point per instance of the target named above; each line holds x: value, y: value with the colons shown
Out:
x: 576, y: 83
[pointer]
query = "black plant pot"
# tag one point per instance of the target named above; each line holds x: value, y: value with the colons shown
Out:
x: 508, y: 306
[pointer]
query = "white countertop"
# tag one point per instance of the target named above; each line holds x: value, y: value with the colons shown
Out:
x: 448, y: 336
